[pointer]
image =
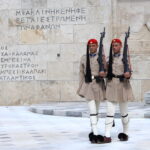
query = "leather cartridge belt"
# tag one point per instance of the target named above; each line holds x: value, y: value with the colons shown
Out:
x: 94, y: 77
x: 120, y: 77
x: 117, y: 76
x: 97, y: 78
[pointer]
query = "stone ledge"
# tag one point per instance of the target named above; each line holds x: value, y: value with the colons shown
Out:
x: 68, y: 113
x: 147, y: 97
x: 147, y: 115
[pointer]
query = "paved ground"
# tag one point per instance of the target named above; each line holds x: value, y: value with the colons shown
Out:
x: 21, y: 129
x: 80, y: 109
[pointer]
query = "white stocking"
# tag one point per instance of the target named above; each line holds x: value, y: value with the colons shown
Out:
x: 97, y: 108
x: 110, y: 117
x: 93, y: 116
x: 124, y: 114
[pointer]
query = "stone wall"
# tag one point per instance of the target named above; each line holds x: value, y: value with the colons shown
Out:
x: 41, y: 43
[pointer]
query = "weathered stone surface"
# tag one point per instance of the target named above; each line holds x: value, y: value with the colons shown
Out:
x: 32, y: 37
x: 105, y: 3
x: 93, y: 3
x: 10, y: 4
x: 9, y: 34
x: 76, y: 66
x: 39, y: 3
x: 140, y: 65
x: 26, y: 89
x: 34, y: 3
x: 68, y: 91
x: 95, y: 19
x: 79, y: 3
x: 82, y: 34
x: 47, y: 91
x: 72, y: 52
x: 63, y: 70
x: 26, y: 4
x: 59, y: 3
x: 62, y: 35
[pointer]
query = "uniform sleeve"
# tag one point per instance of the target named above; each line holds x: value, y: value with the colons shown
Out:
x: 81, y: 75
x: 129, y: 61
x: 105, y: 62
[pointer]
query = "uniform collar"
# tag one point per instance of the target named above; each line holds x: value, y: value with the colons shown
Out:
x: 116, y: 55
x: 92, y: 55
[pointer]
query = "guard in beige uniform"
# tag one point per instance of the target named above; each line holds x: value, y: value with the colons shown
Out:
x: 118, y: 90
x: 91, y: 86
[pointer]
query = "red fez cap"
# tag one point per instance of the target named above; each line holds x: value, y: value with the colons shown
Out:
x: 116, y: 41
x: 92, y: 41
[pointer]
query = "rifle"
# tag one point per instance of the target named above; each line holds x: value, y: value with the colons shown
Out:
x: 100, y: 53
x: 125, y: 52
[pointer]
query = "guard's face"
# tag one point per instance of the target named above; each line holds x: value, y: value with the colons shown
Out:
x: 93, y: 48
x: 116, y: 47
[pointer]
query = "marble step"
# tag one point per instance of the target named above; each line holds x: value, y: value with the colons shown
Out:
x: 147, y: 98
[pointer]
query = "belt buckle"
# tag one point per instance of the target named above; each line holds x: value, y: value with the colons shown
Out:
x: 93, y: 77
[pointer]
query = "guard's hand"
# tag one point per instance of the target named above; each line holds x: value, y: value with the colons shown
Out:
x: 102, y: 74
x: 127, y: 74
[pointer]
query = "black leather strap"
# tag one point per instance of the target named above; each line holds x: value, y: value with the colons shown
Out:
x: 93, y: 114
x: 124, y: 116
x: 121, y: 77
x: 110, y: 116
